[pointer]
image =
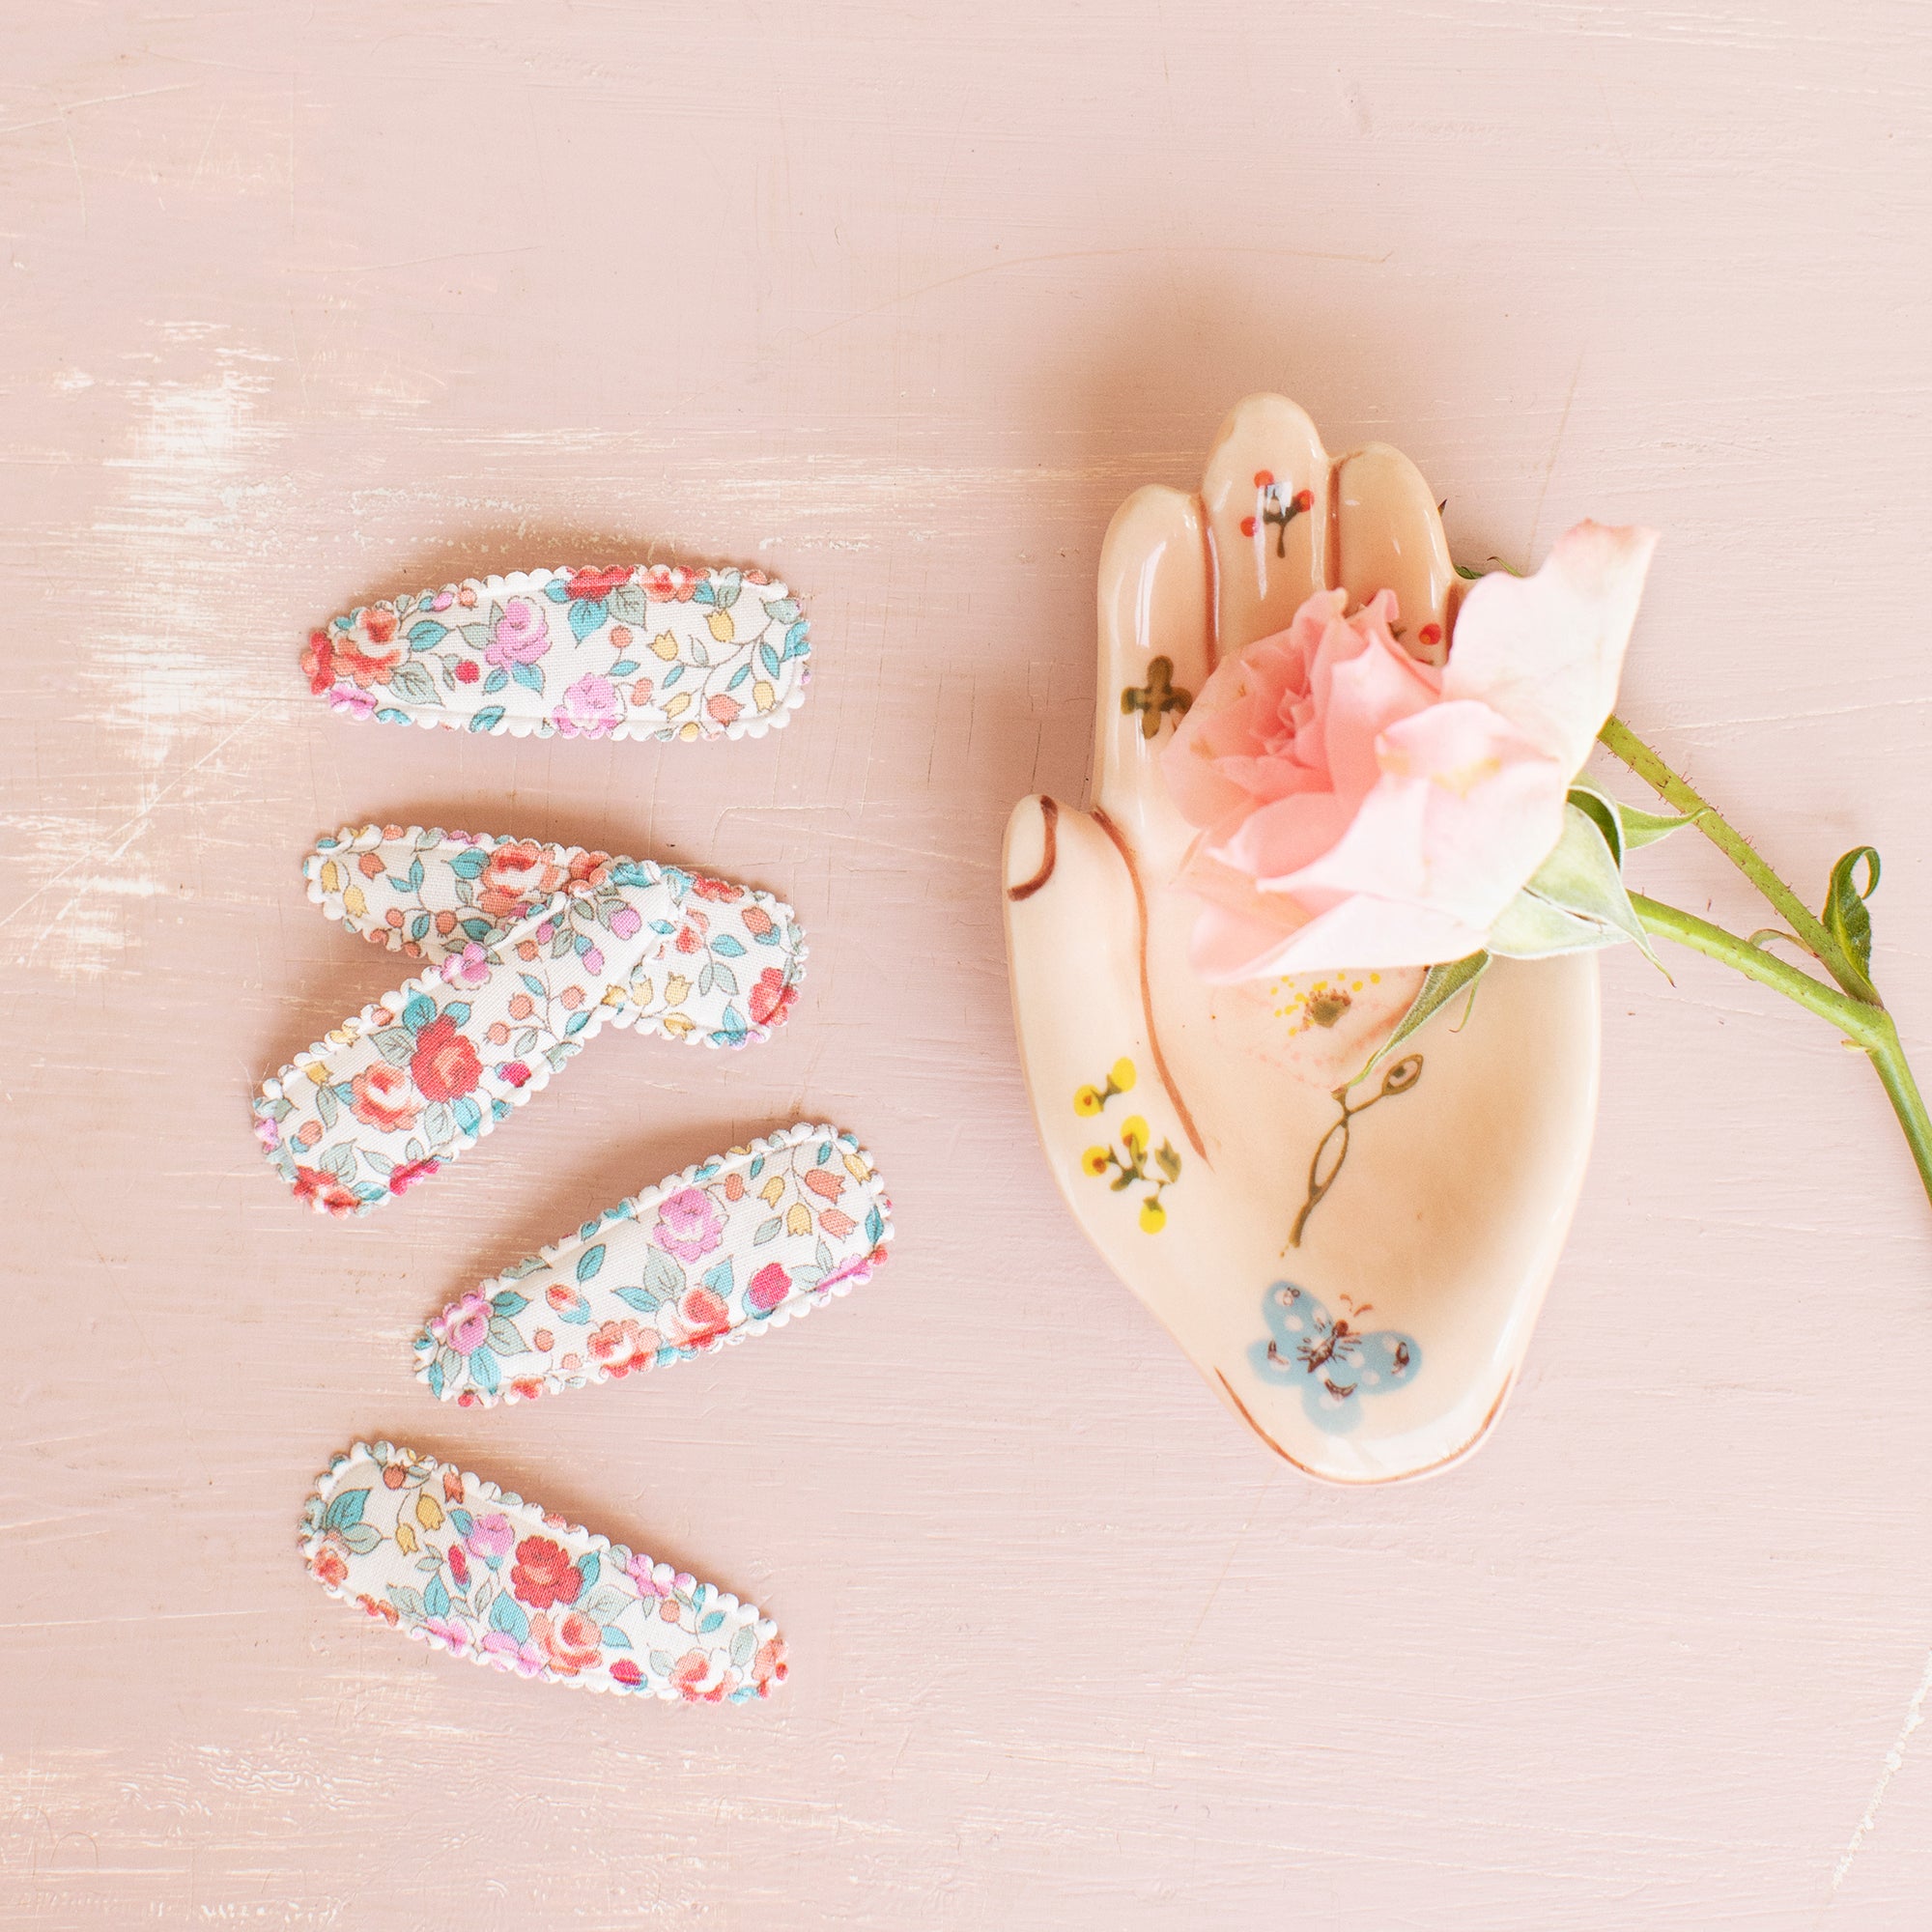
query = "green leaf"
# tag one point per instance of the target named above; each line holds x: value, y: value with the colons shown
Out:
x: 413, y: 685
x: 1646, y: 828
x: 1574, y: 902
x: 589, y: 1262
x: 1533, y: 929
x: 1846, y: 919
x: 1604, y: 810
x: 504, y: 1338
x: 345, y: 1508
x: 661, y: 1275
x: 1439, y: 988
x: 1626, y: 828
x: 607, y: 1604
x: 396, y: 1044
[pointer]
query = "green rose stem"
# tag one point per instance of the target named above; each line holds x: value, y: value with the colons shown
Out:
x: 1853, y: 1005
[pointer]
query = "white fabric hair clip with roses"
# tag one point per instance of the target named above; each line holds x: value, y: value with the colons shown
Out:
x: 738, y: 1244
x: 529, y: 951
x: 657, y: 651
x: 1338, y: 788
x: 440, y: 1556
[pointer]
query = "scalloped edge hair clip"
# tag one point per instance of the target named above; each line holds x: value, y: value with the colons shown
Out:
x: 465, y: 1567
x: 634, y: 651
x: 730, y: 974
x: 582, y: 941
x: 744, y: 1241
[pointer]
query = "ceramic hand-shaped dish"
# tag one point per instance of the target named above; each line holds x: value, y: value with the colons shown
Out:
x: 1354, y: 1265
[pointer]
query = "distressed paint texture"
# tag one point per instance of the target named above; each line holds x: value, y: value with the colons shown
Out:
x: 309, y: 305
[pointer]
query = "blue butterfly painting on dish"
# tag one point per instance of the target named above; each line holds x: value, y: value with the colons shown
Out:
x: 1330, y: 1356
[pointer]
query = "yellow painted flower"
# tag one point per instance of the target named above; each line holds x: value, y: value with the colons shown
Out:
x: 665, y: 645
x: 1135, y: 1133
x: 352, y: 901
x: 1088, y: 1102
x: 773, y: 1187
x: 1122, y: 1076
x: 722, y: 626
x: 331, y: 876
x: 677, y: 986
x: 1154, y: 1217
x: 318, y: 1072
x: 429, y: 1512
x: 677, y: 1025
x: 406, y: 1539
x: 857, y: 1169
x: 1094, y: 1162
x: 798, y: 1218
x: 677, y: 703
x: 763, y: 696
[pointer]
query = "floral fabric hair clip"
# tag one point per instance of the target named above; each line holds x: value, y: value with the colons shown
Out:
x: 468, y: 1568
x: 737, y: 1245
x: 661, y: 651
x: 532, y: 949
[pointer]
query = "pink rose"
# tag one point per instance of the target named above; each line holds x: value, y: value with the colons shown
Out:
x: 491, y: 1536
x: 703, y: 1677
x: 380, y: 1097
x: 768, y: 1288
x: 521, y: 636
x: 589, y: 709
x: 464, y: 1324
x: 451, y: 1636
x: 690, y: 1224
x: 507, y: 1654
x: 1360, y: 809
x: 643, y: 1573
x: 468, y: 968
x: 698, y: 1320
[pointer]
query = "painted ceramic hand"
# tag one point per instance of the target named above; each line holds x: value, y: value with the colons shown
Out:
x: 1356, y: 1269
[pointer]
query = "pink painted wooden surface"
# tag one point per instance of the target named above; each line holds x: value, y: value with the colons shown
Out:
x: 305, y: 305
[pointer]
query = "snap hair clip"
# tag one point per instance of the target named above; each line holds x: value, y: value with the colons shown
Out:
x: 662, y: 651
x: 467, y: 1568
x: 532, y: 949
x: 742, y: 1242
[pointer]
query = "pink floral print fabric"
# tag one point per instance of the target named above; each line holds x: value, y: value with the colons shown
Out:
x: 661, y: 651
x: 381, y: 1101
x: 739, y: 1243
x: 732, y: 967
x: 472, y: 1570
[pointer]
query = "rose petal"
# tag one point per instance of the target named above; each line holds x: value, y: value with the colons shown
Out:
x: 1546, y: 651
x: 1467, y: 809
